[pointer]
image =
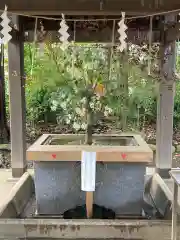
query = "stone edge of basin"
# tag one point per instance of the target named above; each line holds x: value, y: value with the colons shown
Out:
x: 18, y: 197
x: 23, y: 190
x: 161, y: 195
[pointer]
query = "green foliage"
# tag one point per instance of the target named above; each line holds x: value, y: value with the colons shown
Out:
x: 60, y: 81
x: 57, y: 83
x: 83, y: 73
x: 177, y: 96
x: 177, y: 106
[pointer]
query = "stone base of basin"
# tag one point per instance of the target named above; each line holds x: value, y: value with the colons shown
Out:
x: 119, y: 186
x: 25, y: 226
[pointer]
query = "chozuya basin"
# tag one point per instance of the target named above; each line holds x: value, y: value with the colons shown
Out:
x: 121, y: 165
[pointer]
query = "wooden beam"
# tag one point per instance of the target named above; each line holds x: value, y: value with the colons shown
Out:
x: 88, y: 6
x: 17, y: 102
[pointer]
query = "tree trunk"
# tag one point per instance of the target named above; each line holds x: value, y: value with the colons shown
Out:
x: 4, y: 131
x: 125, y: 90
x: 89, y: 129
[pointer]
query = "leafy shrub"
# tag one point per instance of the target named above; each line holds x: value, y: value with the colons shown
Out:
x: 62, y: 80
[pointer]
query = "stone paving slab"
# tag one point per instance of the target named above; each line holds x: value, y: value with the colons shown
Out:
x: 6, y: 184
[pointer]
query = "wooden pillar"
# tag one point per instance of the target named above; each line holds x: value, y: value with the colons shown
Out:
x: 165, y: 106
x: 4, y: 131
x: 17, y: 100
x: 174, y: 212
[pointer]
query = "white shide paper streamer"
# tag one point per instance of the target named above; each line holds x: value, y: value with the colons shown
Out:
x: 88, y: 171
x: 6, y: 29
x: 122, y: 32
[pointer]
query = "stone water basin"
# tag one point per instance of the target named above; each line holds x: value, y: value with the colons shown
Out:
x: 120, y: 172
x: 19, y: 219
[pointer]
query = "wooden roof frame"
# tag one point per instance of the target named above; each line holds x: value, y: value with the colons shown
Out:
x: 89, y: 7
x: 83, y: 9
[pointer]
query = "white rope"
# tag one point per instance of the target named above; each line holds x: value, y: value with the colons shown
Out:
x: 150, y: 45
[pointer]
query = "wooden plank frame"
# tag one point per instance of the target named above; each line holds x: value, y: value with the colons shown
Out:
x: 132, y: 154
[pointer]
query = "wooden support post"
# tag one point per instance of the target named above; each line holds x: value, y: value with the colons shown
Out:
x: 164, y: 129
x: 4, y: 131
x: 165, y: 107
x: 89, y: 204
x: 174, y: 212
x: 175, y: 175
x: 17, y: 100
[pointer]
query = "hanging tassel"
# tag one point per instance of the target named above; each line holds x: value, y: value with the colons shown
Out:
x: 150, y: 46
x: 122, y: 32
x: 5, y: 27
x: 64, y: 35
